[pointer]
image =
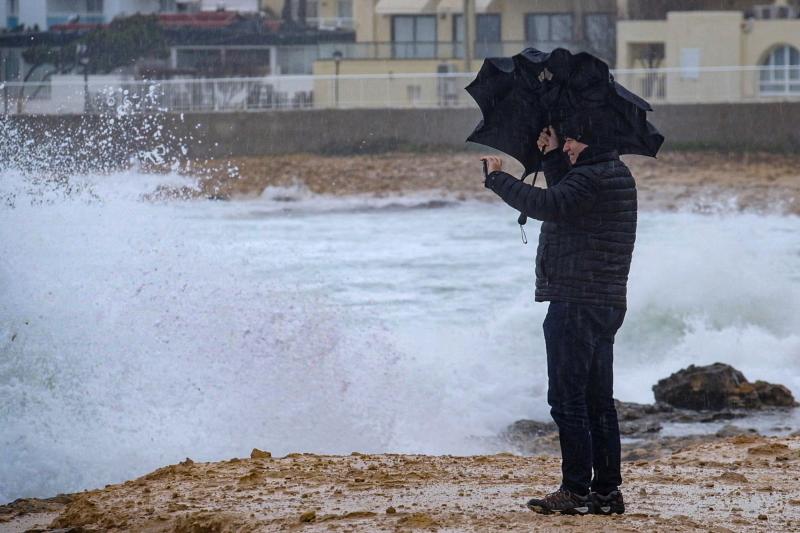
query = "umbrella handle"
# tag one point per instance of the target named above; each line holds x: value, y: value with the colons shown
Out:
x: 485, y: 169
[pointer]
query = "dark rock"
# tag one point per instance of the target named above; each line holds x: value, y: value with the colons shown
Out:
x: 774, y: 395
x: 713, y: 387
x: 716, y: 416
x: 635, y: 411
x: 25, y: 506
x: 633, y: 428
x: 729, y: 430
x: 532, y: 437
x: 653, y: 448
x: 528, y: 429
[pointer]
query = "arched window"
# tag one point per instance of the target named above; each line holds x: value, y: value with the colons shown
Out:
x: 780, y: 73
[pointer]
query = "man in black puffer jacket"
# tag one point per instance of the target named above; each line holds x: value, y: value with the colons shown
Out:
x: 582, y: 263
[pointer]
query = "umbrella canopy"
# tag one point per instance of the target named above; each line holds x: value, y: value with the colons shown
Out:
x: 521, y: 95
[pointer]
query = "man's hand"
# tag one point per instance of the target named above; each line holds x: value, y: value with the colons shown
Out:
x: 548, y: 140
x: 492, y: 163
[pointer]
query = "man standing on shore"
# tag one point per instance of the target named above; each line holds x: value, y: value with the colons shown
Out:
x: 582, y: 262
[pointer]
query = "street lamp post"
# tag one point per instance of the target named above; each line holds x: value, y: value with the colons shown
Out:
x: 337, y: 58
x: 3, y: 69
x: 83, y: 58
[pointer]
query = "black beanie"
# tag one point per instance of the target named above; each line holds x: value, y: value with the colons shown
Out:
x: 591, y: 127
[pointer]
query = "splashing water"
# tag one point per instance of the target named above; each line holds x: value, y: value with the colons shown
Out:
x: 129, y: 131
x: 136, y: 333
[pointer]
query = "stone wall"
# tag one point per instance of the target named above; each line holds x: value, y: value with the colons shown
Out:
x: 766, y: 126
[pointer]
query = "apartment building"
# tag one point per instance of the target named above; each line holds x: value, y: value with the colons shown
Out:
x: 44, y: 14
x: 428, y: 36
x: 322, y: 14
x: 433, y: 30
x: 759, y: 42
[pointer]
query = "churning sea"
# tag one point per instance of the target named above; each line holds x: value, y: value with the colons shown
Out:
x: 134, y: 334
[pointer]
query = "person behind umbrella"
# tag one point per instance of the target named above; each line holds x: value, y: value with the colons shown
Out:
x: 582, y: 263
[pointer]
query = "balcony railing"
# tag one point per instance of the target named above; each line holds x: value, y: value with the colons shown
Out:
x: 442, y: 49
x: 749, y: 84
x: 331, y: 23
x: 62, y: 17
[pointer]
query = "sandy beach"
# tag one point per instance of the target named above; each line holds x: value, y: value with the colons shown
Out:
x: 694, y: 181
x: 745, y: 483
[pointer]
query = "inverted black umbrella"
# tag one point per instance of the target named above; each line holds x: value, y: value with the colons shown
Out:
x: 521, y: 95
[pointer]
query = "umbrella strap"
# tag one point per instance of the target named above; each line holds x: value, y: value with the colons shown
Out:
x: 523, y: 219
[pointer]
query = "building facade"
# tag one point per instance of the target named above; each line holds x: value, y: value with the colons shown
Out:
x: 322, y: 14
x: 428, y: 36
x: 43, y: 14
x: 713, y: 56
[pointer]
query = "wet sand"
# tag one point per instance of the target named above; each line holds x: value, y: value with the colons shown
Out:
x: 745, y: 483
x: 697, y: 181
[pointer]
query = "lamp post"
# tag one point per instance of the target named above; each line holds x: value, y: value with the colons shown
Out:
x: 3, y: 69
x: 337, y: 58
x: 469, y: 33
x: 83, y: 58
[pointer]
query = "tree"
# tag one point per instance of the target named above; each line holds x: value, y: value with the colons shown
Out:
x: 124, y: 42
x: 61, y: 58
x: 121, y: 43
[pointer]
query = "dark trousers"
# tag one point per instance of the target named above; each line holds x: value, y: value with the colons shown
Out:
x: 580, y: 358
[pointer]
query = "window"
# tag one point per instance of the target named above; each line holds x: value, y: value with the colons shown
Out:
x: 414, y: 93
x: 780, y: 73
x: 312, y: 9
x: 487, y: 35
x: 187, y: 6
x: 94, y: 6
x: 458, y: 35
x: 345, y: 9
x: 600, y: 32
x: 548, y: 29
x: 690, y: 63
x: 12, y: 14
x: 414, y: 36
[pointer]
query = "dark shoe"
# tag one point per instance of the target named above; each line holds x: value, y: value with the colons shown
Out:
x: 561, y: 501
x: 609, y: 503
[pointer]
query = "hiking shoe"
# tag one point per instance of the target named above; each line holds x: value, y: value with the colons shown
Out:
x: 561, y: 501
x: 609, y: 503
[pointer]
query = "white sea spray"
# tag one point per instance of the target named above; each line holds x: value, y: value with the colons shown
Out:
x: 135, y: 333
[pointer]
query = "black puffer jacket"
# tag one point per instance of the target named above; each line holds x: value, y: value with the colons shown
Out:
x: 589, y: 214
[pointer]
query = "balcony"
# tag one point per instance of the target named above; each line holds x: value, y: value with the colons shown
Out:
x: 88, y: 17
x: 438, y: 49
x: 331, y: 23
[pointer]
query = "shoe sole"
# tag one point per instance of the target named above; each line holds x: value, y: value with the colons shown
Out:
x: 608, y: 510
x: 574, y: 511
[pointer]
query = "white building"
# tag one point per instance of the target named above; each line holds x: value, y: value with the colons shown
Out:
x: 46, y: 13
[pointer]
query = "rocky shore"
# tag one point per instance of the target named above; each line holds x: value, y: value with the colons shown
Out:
x: 743, y: 483
x: 699, y: 181
x: 730, y: 480
x: 696, y: 396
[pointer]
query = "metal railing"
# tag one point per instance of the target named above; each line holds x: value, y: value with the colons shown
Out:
x: 84, y: 17
x: 331, y: 23
x: 429, y: 90
x: 442, y: 49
